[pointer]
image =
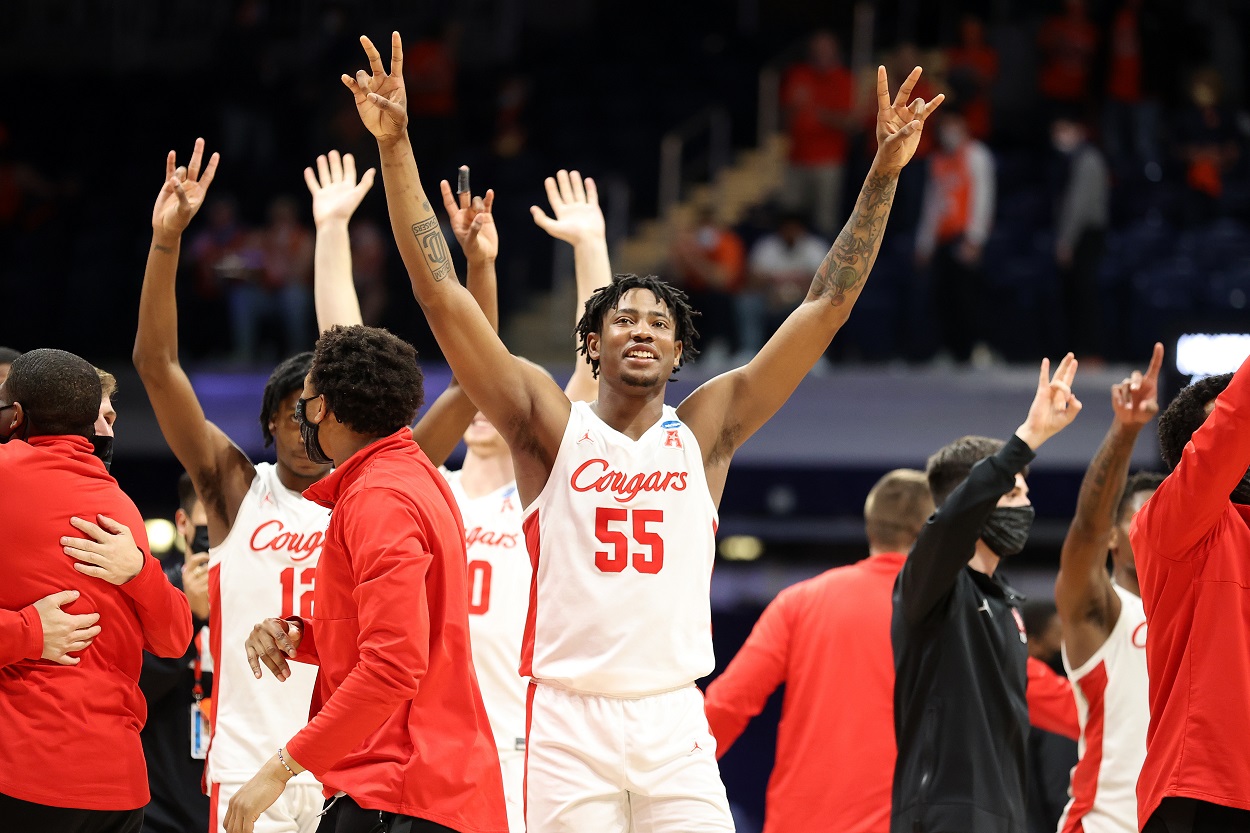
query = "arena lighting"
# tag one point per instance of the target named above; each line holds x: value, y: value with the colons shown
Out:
x: 162, y: 535
x: 1199, y: 355
x: 741, y: 548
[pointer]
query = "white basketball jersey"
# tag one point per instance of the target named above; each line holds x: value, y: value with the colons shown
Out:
x: 499, y: 596
x: 1112, y: 702
x: 622, y: 539
x: 265, y: 567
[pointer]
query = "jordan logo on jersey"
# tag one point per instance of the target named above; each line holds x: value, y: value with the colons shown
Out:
x: 586, y: 438
x: 272, y: 535
x: 596, y: 475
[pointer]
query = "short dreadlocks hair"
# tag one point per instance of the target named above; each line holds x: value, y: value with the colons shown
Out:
x: 1185, y: 416
x: 59, y: 391
x: 1142, y: 481
x: 607, y: 298
x: 286, y: 377
x: 369, y: 377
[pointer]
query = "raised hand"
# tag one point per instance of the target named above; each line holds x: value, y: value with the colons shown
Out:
x: 1054, y: 406
x: 63, y: 632
x: 335, y: 192
x: 471, y: 219
x: 1135, y: 401
x: 183, y: 192
x: 900, y: 123
x: 109, y: 552
x: 576, y: 206
x: 381, y: 99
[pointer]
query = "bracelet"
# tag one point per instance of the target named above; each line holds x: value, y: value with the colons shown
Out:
x: 285, y: 765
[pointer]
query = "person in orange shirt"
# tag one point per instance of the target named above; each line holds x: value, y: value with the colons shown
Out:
x: 832, y: 773
x: 1067, y: 43
x: 710, y: 261
x: 971, y: 68
x: 818, y: 97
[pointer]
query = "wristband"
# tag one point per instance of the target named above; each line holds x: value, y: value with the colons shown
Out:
x: 285, y: 765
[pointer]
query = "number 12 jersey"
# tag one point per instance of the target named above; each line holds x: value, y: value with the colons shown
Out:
x: 622, y: 542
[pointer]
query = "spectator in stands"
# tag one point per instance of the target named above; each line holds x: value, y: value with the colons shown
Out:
x: 1080, y: 237
x: 175, y: 686
x: 228, y: 262
x: 369, y: 248
x: 1050, y: 757
x: 828, y: 641
x: 780, y: 267
x: 288, y: 251
x: 955, y: 220
x: 709, y: 260
x: 1130, y: 113
x: 1207, y: 139
x: 971, y: 67
x: 7, y: 355
x: 430, y: 77
x: 1067, y: 42
x: 819, y: 98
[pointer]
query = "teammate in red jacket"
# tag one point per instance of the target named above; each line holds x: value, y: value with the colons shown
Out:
x: 71, y: 758
x: 398, y: 724
x: 828, y: 640
x: 1191, y: 543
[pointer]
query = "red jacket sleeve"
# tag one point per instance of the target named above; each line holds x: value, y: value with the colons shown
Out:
x: 384, y: 535
x: 164, y: 613
x: 21, y: 635
x: 1052, y: 706
x: 1194, y: 497
x: 743, y: 688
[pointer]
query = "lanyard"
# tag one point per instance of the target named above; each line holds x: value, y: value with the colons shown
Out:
x: 197, y: 690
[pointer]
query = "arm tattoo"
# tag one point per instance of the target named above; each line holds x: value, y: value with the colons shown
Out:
x: 168, y: 250
x: 433, y: 247
x: 842, y: 274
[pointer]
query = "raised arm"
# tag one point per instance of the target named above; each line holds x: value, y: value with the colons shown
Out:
x: 579, y: 222
x: 444, y: 422
x: 335, y: 197
x: 947, y: 542
x: 1088, y: 605
x: 526, y: 406
x: 220, y: 470
x: 727, y: 410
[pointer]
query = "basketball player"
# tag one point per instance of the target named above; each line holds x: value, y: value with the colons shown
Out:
x: 622, y: 494
x: 485, y: 486
x: 1104, y: 624
x: 827, y: 640
x: 1189, y: 544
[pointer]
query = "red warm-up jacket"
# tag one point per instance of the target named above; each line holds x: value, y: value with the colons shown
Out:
x: 69, y: 735
x: 397, y: 719
x: 1192, y: 548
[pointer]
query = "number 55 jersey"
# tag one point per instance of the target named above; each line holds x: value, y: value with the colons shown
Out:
x: 265, y: 567
x: 622, y: 541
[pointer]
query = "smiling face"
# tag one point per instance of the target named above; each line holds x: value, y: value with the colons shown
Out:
x: 637, y: 343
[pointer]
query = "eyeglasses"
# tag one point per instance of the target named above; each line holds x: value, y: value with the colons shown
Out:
x: 301, y: 407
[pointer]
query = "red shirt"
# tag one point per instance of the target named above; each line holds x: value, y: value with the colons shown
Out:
x: 807, y: 92
x: 397, y: 720
x: 71, y: 733
x: 828, y: 640
x: 1192, y: 547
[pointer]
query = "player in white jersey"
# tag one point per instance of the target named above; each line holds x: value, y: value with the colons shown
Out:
x: 1104, y: 623
x: 264, y: 538
x: 631, y: 524
x: 485, y: 486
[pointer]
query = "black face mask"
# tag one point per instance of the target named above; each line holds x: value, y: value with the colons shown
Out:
x: 308, y: 433
x: 199, y: 543
x: 102, y: 447
x: 1007, y: 529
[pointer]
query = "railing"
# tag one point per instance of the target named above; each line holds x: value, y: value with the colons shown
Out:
x: 710, y: 126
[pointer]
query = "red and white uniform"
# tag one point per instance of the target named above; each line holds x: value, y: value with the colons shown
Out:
x: 499, y: 580
x: 622, y: 541
x: 1112, y: 699
x: 265, y: 567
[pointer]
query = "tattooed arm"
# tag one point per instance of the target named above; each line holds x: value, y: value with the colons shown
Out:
x: 1088, y: 606
x: 524, y: 404
x: 727, y: 410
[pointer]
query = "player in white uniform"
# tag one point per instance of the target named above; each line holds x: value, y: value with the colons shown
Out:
x: 623, y: 492
x: 1104, y: 623
x: 485, y: 486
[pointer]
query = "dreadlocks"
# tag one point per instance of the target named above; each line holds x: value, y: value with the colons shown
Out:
x: 608, y: 297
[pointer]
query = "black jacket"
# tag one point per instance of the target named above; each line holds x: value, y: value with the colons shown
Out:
x: 960, y: 716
